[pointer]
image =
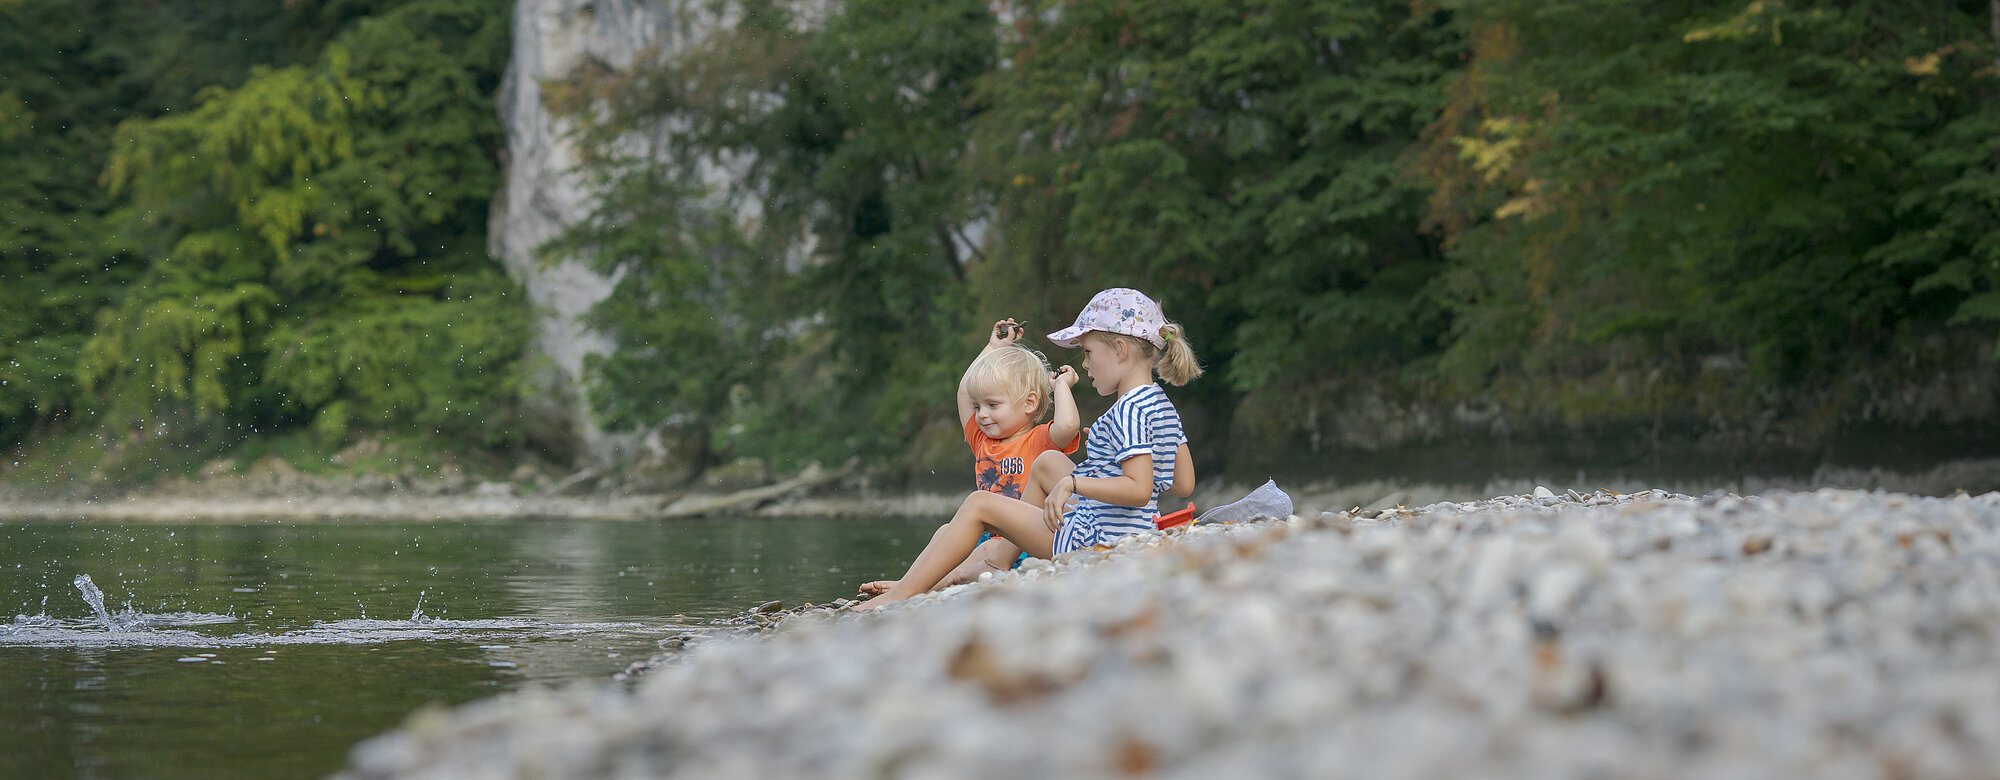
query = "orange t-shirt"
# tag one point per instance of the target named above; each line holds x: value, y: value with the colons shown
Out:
x: 1002, y: 467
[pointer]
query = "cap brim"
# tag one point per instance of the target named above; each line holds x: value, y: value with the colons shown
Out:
x: 1067, y: 338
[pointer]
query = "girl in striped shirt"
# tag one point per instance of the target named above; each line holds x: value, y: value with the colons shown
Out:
x: 1132, y: 449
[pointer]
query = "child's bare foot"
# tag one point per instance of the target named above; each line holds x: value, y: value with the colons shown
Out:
x: 877, y: 587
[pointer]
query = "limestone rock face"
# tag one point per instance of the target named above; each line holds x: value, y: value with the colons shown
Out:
x: 543, y: 194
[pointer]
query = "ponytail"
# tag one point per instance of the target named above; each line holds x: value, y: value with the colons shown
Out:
x: 1176, y: 363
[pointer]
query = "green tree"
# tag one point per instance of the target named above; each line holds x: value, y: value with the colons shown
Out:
x: 1948, y: 226
x: 72, y: 72
x: 318, y: 239
x: 1631, y: 186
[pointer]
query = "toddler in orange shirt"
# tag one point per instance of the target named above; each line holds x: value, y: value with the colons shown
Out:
x: 1004, y: 393
x: 1002, y: 396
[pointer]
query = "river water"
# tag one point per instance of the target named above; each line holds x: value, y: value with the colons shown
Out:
x: 269, y: 649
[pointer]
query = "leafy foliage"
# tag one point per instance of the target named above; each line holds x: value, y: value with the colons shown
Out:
x: 1626, y: 185
x: 317, y: 237
x: 73, y: 71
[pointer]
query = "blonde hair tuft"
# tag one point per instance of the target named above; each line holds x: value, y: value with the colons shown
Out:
x: 1017, y: 371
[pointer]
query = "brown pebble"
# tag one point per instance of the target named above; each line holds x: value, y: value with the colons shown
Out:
x: 1904, y: 540
x: 972, y: 662
x: 1756, y: 543
x: 1137, y: 758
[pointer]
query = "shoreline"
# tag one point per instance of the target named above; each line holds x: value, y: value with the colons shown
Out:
x: 817, y: 492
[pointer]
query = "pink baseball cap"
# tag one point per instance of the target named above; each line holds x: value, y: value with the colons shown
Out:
x: 1117, y: 310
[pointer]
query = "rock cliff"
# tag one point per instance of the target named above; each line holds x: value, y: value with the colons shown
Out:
x: 543, y: 193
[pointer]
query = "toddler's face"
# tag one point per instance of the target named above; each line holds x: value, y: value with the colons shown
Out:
x: 1000, y: 415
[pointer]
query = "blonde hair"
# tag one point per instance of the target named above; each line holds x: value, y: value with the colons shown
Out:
x: 1176, y: 363
x: 1016, y: 371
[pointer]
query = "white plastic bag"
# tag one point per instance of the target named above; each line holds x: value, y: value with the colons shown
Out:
x: 1266, y: 503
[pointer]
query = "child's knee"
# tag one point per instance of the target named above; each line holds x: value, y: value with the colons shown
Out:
x: 1051, y: 465
x: 977, y: 506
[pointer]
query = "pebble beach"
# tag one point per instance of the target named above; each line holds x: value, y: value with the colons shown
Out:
x: 1834, y: 633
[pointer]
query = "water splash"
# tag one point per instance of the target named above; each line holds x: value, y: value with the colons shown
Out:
x: 133, y: 628
x: 95, y: 598
x: 28, y: 623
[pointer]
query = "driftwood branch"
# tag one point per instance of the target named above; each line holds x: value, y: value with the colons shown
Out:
x: 748, y: 500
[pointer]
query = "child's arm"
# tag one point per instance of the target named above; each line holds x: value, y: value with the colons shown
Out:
x: 1004, y: 332
x: 1065, y: 424
x: 1133, y: 487
x: 1183, y: 473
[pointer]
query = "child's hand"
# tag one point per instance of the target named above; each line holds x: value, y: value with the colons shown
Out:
x: 1065, y: 375
x: 1060, y: 497
x: 1005, y: 332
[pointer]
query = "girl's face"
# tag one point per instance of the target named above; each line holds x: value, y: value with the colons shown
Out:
x: 1000, y: 415
x: 1106, y: 362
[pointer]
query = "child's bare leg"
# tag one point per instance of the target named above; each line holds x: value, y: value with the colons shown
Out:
x: 979, y: 562
x: 988, y: 556
x: 1019, y: 522
x: 950, y: 544
x: 1048, y: 469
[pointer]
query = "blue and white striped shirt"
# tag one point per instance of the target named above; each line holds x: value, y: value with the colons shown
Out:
x: 1141, y: 422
